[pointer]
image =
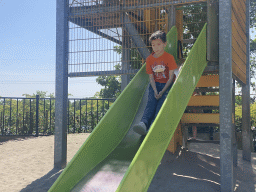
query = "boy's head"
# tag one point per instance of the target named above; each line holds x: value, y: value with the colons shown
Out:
x: 158, y: 42
x: 158, y: 35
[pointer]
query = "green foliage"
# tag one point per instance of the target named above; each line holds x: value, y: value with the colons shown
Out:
x: 112, y: 84
x: 42, y: 94
x: 253, y: 42
x: 238, y: 112
x: 253, y: 45
x: 18, y: 116
x: 253, y: 61
x: 238, y: 101
x: 112, y: 87
x: 194, y: 18
x: 253, y: 14
x: 84, y: 114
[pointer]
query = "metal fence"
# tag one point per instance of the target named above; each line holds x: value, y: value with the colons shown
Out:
x: 36, y: 116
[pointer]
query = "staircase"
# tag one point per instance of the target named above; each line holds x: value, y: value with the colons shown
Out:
x: 202, y: 110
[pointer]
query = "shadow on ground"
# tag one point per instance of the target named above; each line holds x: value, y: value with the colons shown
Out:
x: 4, y: 138
x: 245, y: 176
x: 44, y: 183
x: 184, y: 171
x: 187, y: 172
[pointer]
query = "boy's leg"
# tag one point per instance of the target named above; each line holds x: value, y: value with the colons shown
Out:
x: 161, y: 101
x: 149, y: 111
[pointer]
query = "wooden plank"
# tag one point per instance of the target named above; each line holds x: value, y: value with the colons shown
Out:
x: 238, y: 35
x: 243, y: 5
x: 238, y: 73
x: 238, y: 45
x: 238, y: 60
x: 239, y: 25
x: 236, y: 6
x: 239, y: 48
x: 179, y: 24
x: 201, y: 118
x: 204, y: 100
x: 176, y: 140
x: 208, y: 81
x: 149, y: 17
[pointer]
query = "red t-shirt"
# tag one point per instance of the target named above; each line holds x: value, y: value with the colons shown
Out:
x: 160, y: 66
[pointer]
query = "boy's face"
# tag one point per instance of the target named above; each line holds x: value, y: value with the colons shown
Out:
x: 158, y: 46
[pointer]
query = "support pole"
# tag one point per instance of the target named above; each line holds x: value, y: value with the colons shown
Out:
x: 171, y: 17
x: 246, y: 125
x: 61, y: 83
x: 225, y: 75
x: 234, y: 125
x: 37, y: 114
x: 126, y: 57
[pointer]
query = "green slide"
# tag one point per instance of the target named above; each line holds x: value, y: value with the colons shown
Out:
x: 114, y: 158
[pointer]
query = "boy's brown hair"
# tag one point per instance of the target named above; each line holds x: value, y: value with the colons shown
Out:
x: 158, y: 35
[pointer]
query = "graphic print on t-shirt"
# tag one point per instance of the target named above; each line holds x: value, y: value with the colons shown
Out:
x: 159, y: 70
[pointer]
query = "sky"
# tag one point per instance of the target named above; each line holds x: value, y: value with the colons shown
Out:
x: 27, y: 51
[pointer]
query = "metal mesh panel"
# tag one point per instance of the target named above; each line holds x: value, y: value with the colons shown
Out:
x: 194, y: 18
x: 111, y: 37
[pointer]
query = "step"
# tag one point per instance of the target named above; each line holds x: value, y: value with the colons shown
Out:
x: 204, y: 100
x: 200, y: 118
x: 208, y: 81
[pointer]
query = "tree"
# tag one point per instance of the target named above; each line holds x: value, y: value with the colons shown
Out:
x: 253, y: 42
x: 112, y: 84
x: 253, y: 14
x: 46, y: 112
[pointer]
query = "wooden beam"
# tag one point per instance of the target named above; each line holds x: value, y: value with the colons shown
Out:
x: 204, y: 100
x: 200, y: 118
x: 208, y: 81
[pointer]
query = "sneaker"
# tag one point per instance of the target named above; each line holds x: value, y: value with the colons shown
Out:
x: 140, y: 128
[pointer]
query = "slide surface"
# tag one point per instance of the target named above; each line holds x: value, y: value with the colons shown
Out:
x: 114, y: 158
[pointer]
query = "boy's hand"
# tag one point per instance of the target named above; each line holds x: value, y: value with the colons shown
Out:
x: 156, y: 95
x: 160, y: 94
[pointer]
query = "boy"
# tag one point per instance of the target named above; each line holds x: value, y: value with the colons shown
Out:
x: 160, y: 66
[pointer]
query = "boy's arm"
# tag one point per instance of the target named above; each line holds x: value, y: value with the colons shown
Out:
x: 169, y: 82
x: 153, y: 84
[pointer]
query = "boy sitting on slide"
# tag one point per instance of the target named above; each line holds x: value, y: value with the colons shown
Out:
x: 160, y: 66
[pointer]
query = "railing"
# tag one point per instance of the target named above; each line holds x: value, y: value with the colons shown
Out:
x: 36, y: 116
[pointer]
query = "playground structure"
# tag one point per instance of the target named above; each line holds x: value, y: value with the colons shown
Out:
x: 129, y: 24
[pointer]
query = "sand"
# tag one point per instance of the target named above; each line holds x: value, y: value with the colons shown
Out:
x: 27, y: 165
